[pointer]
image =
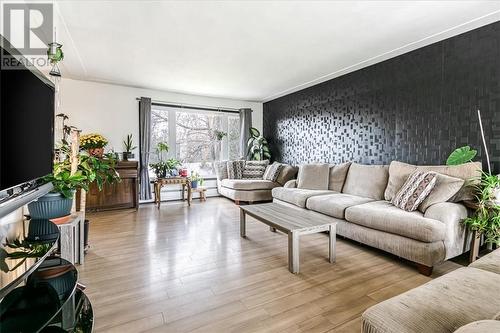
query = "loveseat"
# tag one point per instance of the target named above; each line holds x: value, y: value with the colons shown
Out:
x: 358, y: 198
x: 466, y: 300
x: 250, y: 189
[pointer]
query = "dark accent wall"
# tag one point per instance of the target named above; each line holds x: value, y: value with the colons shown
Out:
x: 415, y: 108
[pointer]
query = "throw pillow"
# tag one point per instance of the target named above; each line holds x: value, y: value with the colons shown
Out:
x: 221, y: 170
x: 446, y: 188
x: 414, y: 191
x: 338, y: 174
x: 254, y: 169
x: 235, y: 169
x: 399, y: 172
x: 273, y: 171
x: 313, y: 176
x: 287, y: 172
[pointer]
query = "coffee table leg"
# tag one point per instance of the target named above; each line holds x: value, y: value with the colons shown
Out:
x: 293, y: 252
x: 272, y: 229
x: 332, y: 239
x: 242, y: 223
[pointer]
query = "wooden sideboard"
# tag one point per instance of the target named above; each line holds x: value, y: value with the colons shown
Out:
x: 119, y: 195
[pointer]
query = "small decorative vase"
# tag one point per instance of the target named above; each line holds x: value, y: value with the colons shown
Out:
x: 96, y: 152
x: 194, y: 184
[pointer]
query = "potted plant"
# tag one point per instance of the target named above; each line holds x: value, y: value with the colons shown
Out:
x: 163, y: 168
x: 59, y: 201
x: 128, y: 145
x: 258, y: 148
x: 196, y: 180
x: 486, y: 218
x: 94, y: 144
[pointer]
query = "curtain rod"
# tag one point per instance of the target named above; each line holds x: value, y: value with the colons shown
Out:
x: 193, y: 107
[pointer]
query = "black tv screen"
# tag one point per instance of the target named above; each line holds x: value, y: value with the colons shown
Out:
x: 26, y: 125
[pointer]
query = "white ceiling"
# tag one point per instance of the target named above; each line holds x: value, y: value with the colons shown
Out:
x: 249, y: 50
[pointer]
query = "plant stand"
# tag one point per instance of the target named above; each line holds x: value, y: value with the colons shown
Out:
x: 72, y: 244
x: 202, y: 191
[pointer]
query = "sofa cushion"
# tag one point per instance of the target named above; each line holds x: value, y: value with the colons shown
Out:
x: 383, y: 216
x: 254, y: 169
x: 490, y: 262
x: 313, y: 176
x: 399, y: 172
x: 273, y: 171
x: 296, y: 196
x: 248, y: 184
x: 367, y: 181
x: 287, y: 173
x: 480, y: 326
x: 338, y: 174
x: 446, y: 187
x: 416, y: 188
x: 441, y: 305
x: 221, y: 170
x: 334, y: 204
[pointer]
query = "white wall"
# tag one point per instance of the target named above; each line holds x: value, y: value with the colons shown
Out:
x: 112, y: 110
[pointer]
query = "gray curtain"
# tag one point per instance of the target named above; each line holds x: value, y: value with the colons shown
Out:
x: 144, y: 146
x: 245, y: 125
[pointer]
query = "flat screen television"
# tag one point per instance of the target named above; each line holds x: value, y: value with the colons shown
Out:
x: 26, y: 123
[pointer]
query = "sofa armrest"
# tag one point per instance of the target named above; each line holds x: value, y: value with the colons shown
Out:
x: 292, y: 183
x: 457, y: 240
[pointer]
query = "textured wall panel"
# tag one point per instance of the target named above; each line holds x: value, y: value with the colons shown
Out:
x: 416, y: 107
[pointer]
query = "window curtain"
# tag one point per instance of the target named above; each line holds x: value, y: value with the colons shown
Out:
x: 144, y: 147
x: 245, y: 125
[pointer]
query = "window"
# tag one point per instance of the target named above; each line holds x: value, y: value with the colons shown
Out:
x: 194, y: 137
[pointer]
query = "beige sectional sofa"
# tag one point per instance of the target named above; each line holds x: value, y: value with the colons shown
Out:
x: 250, y: 190
x: 358, y: 198
x: 466, y: 300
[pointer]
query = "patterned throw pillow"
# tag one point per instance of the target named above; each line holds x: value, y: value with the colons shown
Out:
x: 235, y: 169
x: 255, y: 169
x: 273, y: 171
x: 416, y: 188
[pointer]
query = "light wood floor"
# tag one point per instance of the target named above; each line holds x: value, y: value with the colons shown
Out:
x: 183, y: 269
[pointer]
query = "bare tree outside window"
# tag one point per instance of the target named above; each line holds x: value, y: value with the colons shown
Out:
x: 196, y: 141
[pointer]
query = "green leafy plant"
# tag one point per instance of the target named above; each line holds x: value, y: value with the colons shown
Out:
x: 90, y: 169
x: 196, y: 177
x: 24, y: 250
x: 258, y: 148
x: 65, y: 183
x: 461, y: 155
x: 486, y: 218
x: 128, y: 144
x: 219, y: 135
x: 163, y: 167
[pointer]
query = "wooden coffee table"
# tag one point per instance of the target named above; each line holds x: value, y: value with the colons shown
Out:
x: 292, y: 221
